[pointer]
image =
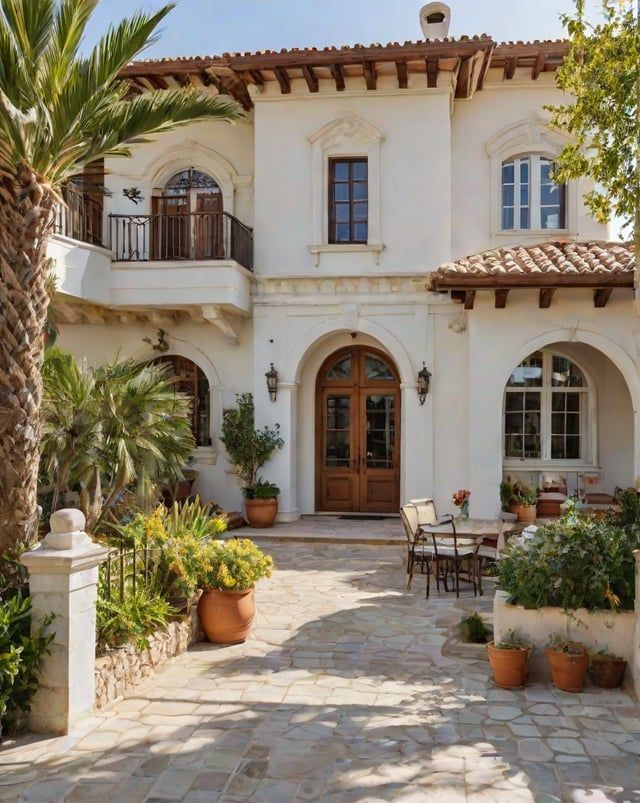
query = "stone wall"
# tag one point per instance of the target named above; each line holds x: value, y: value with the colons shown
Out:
x: 122, y: 669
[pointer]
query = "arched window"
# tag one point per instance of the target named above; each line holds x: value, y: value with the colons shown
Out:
x: 187, y: 218
x: 531, y: 199
x: 190, y: 380
x: 546, y: 410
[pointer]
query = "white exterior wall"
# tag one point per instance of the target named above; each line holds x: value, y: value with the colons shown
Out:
x: 433, y: 175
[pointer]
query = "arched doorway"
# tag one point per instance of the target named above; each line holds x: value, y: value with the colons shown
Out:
x: 187, y: 218
x: 358, y: 432
x: 189, y: 378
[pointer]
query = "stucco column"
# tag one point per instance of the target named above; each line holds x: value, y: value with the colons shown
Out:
x: 283, y: 466
x: 63, y: 580
x: 635, y: 668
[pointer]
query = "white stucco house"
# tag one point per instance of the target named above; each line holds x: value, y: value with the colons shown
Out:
x: 378, y: 210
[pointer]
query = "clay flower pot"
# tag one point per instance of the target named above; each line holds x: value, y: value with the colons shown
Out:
x: 568, y: 670
x: 261, y: 513
x: 607, y: 671
x: 510, y: 667
x: 514, y: 507
x: 527, y: 513
x: 226, y: 616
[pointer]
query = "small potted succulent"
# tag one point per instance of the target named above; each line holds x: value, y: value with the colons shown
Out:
x: 528, y: 510
x: 568, y: 661
x: 229, y: 571
x: 607, y: 670
x: 509, y: 660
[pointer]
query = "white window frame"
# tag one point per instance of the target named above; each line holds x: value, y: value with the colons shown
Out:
x: 588, y: 421
x: 528, y: 137
x: 535, y: 192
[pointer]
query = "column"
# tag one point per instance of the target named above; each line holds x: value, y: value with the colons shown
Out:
x: 63, y: 581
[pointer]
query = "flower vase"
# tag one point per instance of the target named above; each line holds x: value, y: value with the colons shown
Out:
x: 464, y: 510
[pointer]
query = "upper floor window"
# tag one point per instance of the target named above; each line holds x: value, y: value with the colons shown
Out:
x: 348, y: 200
x: 188, y: 378
x: 546, y: 410
x: 531, y: 199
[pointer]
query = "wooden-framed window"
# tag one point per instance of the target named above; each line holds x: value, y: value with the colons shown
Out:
x: 531, y: 199
x: 190, y: 380
x: 348, y: 200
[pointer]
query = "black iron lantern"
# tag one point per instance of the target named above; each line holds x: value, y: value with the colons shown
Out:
x: 272, y: 383
x: 424, y: 377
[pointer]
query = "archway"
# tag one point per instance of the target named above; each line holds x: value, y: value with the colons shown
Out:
x: 358, y: 432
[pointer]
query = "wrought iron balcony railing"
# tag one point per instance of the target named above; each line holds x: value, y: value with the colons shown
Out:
x: 181, y: 236
x: 80, y: 217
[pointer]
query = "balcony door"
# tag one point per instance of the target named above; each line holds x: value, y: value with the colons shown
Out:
x: 358, y: 433
x: 187, y: 218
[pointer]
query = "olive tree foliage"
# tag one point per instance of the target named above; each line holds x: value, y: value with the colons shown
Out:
x: 601, y: 73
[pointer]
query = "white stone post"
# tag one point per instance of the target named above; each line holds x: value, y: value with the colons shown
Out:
x: 635, y: 668
x: 63, y: 581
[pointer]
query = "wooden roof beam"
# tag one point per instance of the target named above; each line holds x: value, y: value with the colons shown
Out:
x: 369, y: 69
x: 181, y: 80
x: 463, y: 86
x: 601, y: 296
x: 337, y: 71
x: 461, y: 281
x: 282, y: 77
x: 538, y: 66
x: 510, y: 65
x: 310, y: 78
x: 501, y: 298
x: 256, y: 77
x: 403, y: 78
x: 546, y: 295
x: 432, y: 72
x: 467, y: 297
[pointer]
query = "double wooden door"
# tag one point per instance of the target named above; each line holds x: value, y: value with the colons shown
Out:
x: 358, y: 433
x: 188, y: 226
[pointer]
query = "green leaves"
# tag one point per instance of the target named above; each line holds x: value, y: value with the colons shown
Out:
x: 60, y: 110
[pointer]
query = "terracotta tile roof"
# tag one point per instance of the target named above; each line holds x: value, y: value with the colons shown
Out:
x: 578, y: 263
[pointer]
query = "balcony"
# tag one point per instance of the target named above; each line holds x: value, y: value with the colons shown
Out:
x: 80, y: 217
x: 181, y: 237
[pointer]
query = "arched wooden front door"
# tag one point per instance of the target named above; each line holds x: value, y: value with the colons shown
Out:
x: 358, y: 432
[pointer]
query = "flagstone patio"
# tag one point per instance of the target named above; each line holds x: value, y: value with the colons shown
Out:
x: 341, y: 694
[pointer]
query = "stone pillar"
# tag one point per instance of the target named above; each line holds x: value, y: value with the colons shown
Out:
x: 63, y: 581
x: 635, y: 668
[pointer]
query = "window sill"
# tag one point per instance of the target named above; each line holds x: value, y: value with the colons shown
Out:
x: 548, y: 465
x: 537, y: 233
x: 347, y: 248
x: 206, y: 455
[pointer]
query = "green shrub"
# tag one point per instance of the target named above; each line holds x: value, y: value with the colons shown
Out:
x: 575, y: 562
x: 132, y: 620
x: 234, y: 565
x: 261, y: 490
x: 473, y: 630
x: 21, y: 656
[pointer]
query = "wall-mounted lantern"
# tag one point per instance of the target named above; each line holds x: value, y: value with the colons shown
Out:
x: 423, y: 383
x: 272, y: 383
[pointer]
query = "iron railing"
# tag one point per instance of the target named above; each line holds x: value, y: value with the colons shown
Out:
x: 126, y: 570
x: 80, y: 217
x: 181, y: 236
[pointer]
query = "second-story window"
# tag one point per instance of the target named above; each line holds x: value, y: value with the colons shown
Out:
x: 348, y: 200
x: 531, y: 199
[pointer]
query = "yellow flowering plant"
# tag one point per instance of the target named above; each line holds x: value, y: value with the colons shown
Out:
x: 234, y: 565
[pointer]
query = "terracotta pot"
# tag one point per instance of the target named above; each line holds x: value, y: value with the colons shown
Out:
x: 527, y: 513
x: 608, y: 673
x: 261, y: 513
x: 226, y: 616
x: 514, y: 507
x: 567, y: 671
x: 510, y: 667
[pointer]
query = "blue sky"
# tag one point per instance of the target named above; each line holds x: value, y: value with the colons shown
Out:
x: 199, y: 27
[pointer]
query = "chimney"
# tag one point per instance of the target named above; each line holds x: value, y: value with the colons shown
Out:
x: 434, y: 20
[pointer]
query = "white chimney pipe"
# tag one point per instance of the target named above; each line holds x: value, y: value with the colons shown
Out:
x: 434, y: 20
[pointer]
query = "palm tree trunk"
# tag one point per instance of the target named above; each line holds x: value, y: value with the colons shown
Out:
x: 26, y: 219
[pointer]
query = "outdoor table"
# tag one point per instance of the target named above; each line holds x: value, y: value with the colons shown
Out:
x: 473, y: 529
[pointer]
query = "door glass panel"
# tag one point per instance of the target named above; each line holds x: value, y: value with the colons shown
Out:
x: 380, y: 430
x: 375, y: 368
x: 337, y: 449
x: 340, y: 369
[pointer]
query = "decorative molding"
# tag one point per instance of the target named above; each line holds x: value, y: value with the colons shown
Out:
x: 375, y: 249
x: 223, y: 320
x: 292, y: 288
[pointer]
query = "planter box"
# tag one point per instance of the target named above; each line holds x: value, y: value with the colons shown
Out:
x: 600, y: 630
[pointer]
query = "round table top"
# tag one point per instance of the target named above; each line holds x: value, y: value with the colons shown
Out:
x: 481, y: 528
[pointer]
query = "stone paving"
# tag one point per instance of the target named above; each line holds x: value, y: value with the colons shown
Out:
x: 342, y: 694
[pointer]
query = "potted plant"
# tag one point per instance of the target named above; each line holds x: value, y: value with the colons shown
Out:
x: 473, y: 629
x: 568, y: 661
x: 249, y: 449
x: 509, y: 660
x: 230, y: 570
x: 528, y: 505
x: 509, y: 499
x: 261, y: 503
x: 607, y: 670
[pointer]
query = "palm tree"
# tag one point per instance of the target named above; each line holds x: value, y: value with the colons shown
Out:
x: 58, y: 112
x: 119, y: 426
